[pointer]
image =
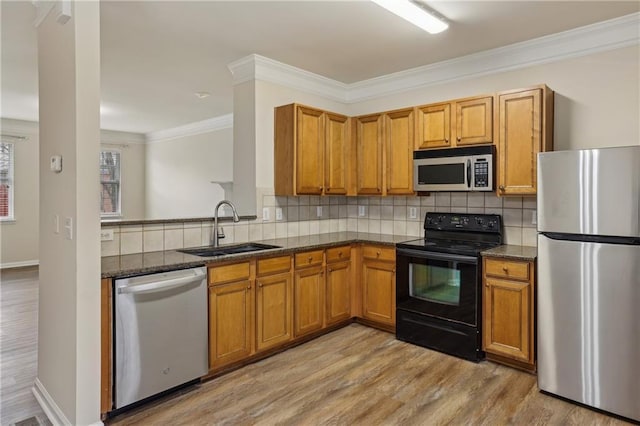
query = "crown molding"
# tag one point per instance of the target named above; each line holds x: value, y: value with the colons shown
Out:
x: 191, y: 129
x: 599, y: 37
x: 13, y: 125
x: 607, y: 35
x: 256, y: 67
x: 121, y: 138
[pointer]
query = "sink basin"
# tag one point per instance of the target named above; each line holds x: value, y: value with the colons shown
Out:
x: 211, y: 251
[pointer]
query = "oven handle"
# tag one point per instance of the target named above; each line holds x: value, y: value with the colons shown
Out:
x: 468, y: 173
x: 437, y: 256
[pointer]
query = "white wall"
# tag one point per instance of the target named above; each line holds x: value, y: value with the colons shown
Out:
x: 19, y: 238
x: 179, y: 174
x: 68, y: 382
x: 597, y: 97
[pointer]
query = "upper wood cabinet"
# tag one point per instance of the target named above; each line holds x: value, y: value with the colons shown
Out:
x: 508, y: 310
x: 525, y: 128
x: 384, y: 148
x: 399, y: 144
x: 311, y: 150
x: 369, y: 152
x: 456, y: 123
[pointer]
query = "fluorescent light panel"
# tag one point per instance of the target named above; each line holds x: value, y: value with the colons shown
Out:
x: 413, y: 13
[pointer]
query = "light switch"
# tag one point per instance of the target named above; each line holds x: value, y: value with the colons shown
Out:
x: 56, y: 163
x: 278, y: 213
x: 534, y: 217
x: 413, y: 212
x: 361, y: 211
x: 68, y: 228
x: 56, y: 224
x: 319, y: 211
x: 265, y: 213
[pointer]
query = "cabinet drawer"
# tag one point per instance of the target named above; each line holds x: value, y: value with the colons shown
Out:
x: 338, y: 254
x: 228, y: 273
x: 379, y: 253
x: 309, y: 258
x: 507, y: 268
x: 274, y: 265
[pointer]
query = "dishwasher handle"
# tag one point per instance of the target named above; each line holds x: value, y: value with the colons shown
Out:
x: 163, y: 285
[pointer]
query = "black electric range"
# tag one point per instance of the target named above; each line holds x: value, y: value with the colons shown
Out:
x: 438, y: 283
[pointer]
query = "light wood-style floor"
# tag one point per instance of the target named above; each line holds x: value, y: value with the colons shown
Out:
x: 18, y: 345
x: 361, y: 376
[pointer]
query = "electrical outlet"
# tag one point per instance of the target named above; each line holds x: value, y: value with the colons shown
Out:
x: 106, y: 235
x: 319, y: 211
x: 265, y: 213
x: 278, y: 213
x: 534, y: 217
x: 413, y: 212
x: 361, y: 211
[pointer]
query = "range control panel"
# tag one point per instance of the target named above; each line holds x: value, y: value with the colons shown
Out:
x: 463, y: 222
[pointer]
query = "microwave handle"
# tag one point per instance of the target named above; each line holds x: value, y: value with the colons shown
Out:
x: 468, y: 173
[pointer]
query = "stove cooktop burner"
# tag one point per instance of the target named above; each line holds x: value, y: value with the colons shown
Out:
x: 448, y: 246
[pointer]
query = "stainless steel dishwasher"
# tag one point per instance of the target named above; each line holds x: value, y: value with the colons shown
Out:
x: 160, y: 333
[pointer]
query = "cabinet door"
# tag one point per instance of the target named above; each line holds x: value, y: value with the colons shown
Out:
x: 519, y: 141
x: 273, y: 311
x: 230, y: 325
x: 399, y: 141
x: 309, y: 150
x: 338, y: 292
x: 379, y: 291
x: 474, y: 121
x: 507, y: 319
x: 336, y: 153
x: 369, y: 137
x: 308, y: 292
x: 434, y: 126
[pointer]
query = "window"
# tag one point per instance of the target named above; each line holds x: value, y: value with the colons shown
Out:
x: 110, y: 183
x: 6, y: 180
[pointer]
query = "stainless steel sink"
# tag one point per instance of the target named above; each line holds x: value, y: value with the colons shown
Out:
x: 221, y: 251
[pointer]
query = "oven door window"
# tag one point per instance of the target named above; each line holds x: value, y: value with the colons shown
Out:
x: 442, y: 174
x: 436, y: 284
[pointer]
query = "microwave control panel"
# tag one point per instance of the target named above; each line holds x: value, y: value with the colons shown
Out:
x: 481, y: 174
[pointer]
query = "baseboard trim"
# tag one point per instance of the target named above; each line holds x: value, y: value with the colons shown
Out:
x: 50, y: 408
x: 48, y: 405
x: 23, y: 264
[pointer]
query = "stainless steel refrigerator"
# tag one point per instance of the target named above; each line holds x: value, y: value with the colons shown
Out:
x: 589, y: 277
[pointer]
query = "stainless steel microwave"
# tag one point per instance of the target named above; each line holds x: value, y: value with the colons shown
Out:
x: 454, y: 169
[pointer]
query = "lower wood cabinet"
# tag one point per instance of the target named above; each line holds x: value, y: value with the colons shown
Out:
x: 230, y: 313
x: 378, y: 281
x: 273, y: 310
x: 308, y: 292
x: 230, y: 322
x: 338, y: 292
x: 508, y: 311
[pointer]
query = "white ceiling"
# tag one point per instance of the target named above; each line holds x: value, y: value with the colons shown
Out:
x: 157, y: 54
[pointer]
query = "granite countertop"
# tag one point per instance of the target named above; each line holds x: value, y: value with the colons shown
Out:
x: 513, y: 252
x: 162, y: 261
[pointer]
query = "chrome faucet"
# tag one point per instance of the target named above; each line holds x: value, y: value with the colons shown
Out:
x: 217, y: 234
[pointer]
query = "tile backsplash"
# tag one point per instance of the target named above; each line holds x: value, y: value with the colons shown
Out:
x: 309, y: 215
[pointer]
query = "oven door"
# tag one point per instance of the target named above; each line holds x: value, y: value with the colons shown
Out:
x: 438, y: 284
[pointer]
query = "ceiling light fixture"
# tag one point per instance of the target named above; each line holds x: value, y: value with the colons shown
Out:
x: 202, y: 95
x: 414, y: 13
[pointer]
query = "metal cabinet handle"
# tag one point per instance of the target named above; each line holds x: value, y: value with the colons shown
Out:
x: 339, y: 254
x: 378, y: 253
x: 260, y: 285
x: 505, y: 269
x: 249, y: 288
x: 446, y: 141
x: 320, y: 188
x: 501, y: 187
x: 459, y: 138
x: 310, y: 259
